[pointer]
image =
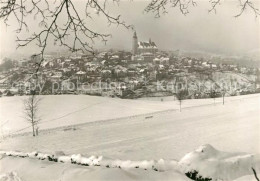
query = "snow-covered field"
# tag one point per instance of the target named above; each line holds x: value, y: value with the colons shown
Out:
x: 64, y: 110
x: 147, y: 130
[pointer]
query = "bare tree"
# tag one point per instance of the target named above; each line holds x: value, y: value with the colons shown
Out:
x: 31, y: 106
x: 160, y: 7
x: 213, y: 94
x: 181, y: 95
x: 223, y: 91
x: 51, y: 16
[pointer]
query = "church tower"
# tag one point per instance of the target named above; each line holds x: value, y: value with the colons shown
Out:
x: 134, y: 44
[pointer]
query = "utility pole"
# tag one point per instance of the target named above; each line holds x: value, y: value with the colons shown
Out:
x: 223, y: 95
x: 223, y: 98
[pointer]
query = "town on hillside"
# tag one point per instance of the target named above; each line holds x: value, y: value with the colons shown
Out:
x: 145, y: 71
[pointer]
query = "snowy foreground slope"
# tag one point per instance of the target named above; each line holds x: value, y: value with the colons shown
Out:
x: 162, y: 137
x: 204, y: 163
x: 170, y: 135
x: 64, y: 110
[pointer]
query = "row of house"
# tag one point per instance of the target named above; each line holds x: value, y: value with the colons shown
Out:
x: 134, y: 70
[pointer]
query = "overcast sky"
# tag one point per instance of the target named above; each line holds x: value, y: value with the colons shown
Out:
x: 197, y: 31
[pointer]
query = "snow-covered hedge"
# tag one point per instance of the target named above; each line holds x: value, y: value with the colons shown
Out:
x: 160, y: 165
x: 204, y: 164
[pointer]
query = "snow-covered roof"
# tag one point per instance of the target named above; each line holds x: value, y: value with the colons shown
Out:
x: 165, y: 58
x: 149, y: 44
x: 104, y: 71
x: 56, y: 76
x: 161, y: 66
x: 45, y: 63
x: 81, y: 73
x: 115, y: 56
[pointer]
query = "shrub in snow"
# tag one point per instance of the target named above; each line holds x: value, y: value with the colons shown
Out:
x: 15, y: 153
x: 132, y: 164
x: 159, y: 165
x: 32, y: 154
x: 123, y: 164
x: 101, y: 161
x: 76, y: 159
x: 113, y: 164
x: 154, y: 168
x: 96, y: 161
x: 55, y: 156
x: 64, y: 159
x: 146, y: 164
x: 21, y: 154
x: 194, y: 176
x: 164, y: 165
x: 42, y: 156
x: 85, y: 161
x: 9, y: 153
x: 52, y: 158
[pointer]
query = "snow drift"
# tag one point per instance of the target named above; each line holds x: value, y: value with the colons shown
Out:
x: 217, y: 165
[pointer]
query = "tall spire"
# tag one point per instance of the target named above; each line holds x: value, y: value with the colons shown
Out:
x: 135, y: 44
x: 135, y: 36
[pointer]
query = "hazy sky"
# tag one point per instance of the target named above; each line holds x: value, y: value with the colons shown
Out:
x: 197, y: 31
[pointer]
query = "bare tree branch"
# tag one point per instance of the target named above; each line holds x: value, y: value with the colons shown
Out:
x: 244, y: 4
x: 214, y: 3
x: 75, y: 26
x: 160, y: 7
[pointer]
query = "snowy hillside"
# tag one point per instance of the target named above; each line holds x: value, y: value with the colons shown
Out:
x: 145, y: 145
x: 65, y: 110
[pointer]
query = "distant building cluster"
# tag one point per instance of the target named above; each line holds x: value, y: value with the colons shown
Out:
x: 140, y: 70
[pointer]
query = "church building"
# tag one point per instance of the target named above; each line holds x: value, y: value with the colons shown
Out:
x: 142, y: 48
